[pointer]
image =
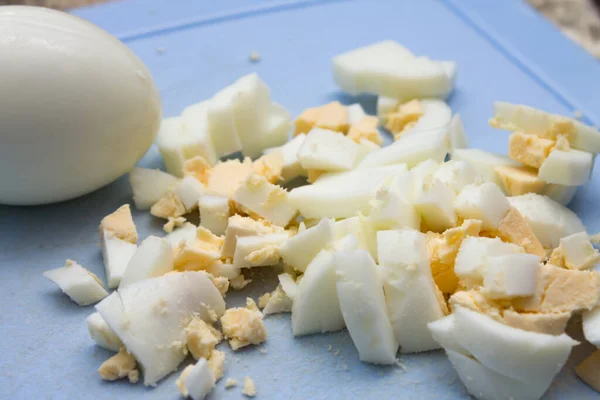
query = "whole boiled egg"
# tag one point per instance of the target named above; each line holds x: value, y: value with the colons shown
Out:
x: 78, y: 109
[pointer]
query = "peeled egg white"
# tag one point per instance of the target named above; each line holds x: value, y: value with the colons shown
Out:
x: 78, y: 110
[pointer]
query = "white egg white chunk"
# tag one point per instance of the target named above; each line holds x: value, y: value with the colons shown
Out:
x: 316, y: 307
x: 484, y: 202
x: 473, y: 254
x: 278, y: 126
x: 327, y: 150
x: 560, y: 193
x: 436, y: 115
x: 251, y: 106
x: 199, y: 380
x: 214, y: 213
x: 578, y: 251
x: 149, y: 317
x: 341, y: 195
x: 385, y: 106
x: 410, y: 293
x: 220, y: 125
x: 186, y: 233
x: 363, y: 306
x: 149, y: 186
x: 355, y: 113
x: 362, y: 232
x: 248, y: 244
x: 572, y: 167
x: 388, y: 69
x: 289, y: 151
x: 530, y: 357
x: 486, y: 384
x: 457, y: 174
x: 83, y: 287
x: 484, y: 162
x: 189, y: 190
x: 152, y: 258
x: 516, y: 117
x: 549, y: 220
x: 288, y: 284
x: 299, y: 251
x: 443, y: 331
x: 410, y: 150
x: 420, y: 176
x: 102, y: 334
x: 116, y: 254
x: 591, y: 326
x: 510, y: 276
x: 435, y: 204
x: 456, y: 134
x: 391, y: 210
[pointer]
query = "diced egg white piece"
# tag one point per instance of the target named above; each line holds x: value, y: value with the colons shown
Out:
x: 420, y: 175
x: 486, y: 384
x: 549, y: 220
x: 249, y: 244
x: 198, y: 381
x: 186, y: 233
x: 219, y: 116
x: 512, y: 275
x: 386, y: 105
x: 443, y: 331
x: 388, y: 69
x: 365, y: 147
x: 328, y: 151
x: 298, y: 251
x: 456, y: 174
x: 591, y: 326
x: 363, y: 306
x: 149, y: 186
x: 411, y: 296
x: 435, y: 204
x: 560, y: 193
x: 572, y: 167
x: 149, y: 317
x: 102, y: 334
x: 391, y: 210
x: 289, y: 151
x: 189, y: 190
x: 484, y: 202
x: 179, y: 141
x: 116, y: 254
x: 288, y: 284
x: 530, y: 357
x: 251, y: 107
x: 473, y: 256
x: 362, y: 232
x: 436, y: 115
x: 269, y: 201
x: 278, y: 126
x: 316, y: 307
x: 410, y: 150
x: 341, y: 195
x: 515, y: 117
x: 82, y: 286
x: 355, y: 113
x: 578, y: 251
x: 456, y: 134
x: 484, y: 162
x: 154, y: 257
x: 214, y: 213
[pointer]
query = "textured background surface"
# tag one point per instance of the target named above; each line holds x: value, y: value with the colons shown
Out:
x: 199, y: 47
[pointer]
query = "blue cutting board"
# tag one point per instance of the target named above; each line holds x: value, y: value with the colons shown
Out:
x: 504, y: 50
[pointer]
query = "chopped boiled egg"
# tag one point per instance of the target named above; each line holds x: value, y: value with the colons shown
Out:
x: 278, y: 302
x: 390, y: 208
x: 149, y: 186
x: 196, y: 381
x: 484, y: 202
x: 150, y: 316
x: 119, y: 366
x: 514, y: 117
x: 189, y: 190
x: 102, y: 334
x: 412, y: 297
x: 456, y: 174
x: 429, y: 115
x: 404, y: 117
x: 201, y: 338
x: 385, y: 106
x: 316, y: 307
x: 484, y: 162
x: 366, y: 129
x: 238, y: 226
x: 363, y: 306
x: 435, y: 204
x: 591, y: 326
x: 120, y: 224
x: 327, y: 150
x: 153, y: 258
x: 116, y: 254
x: 511, y: 275
x: 269, y: 166
x: 549, y: 220
x: 332, y: 116
x: 214, y: 213
x: 575, y: 252
x: 572, y: 167
x: 278, y: 126
x: 186, y: 233
x: 388, y: 69
x: 529, y: 149
x: 289, y: 151
x: 301, y: 249
x: 258, y: 251
x: 220, y: 122
x: 82, y: 286
x: 514, y: 228
x: 355, y: 113
x: 169, y: 206
x: 456, y: 134
x: 243, y: 326
x: 257, y: 196
x: 249, y: 389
